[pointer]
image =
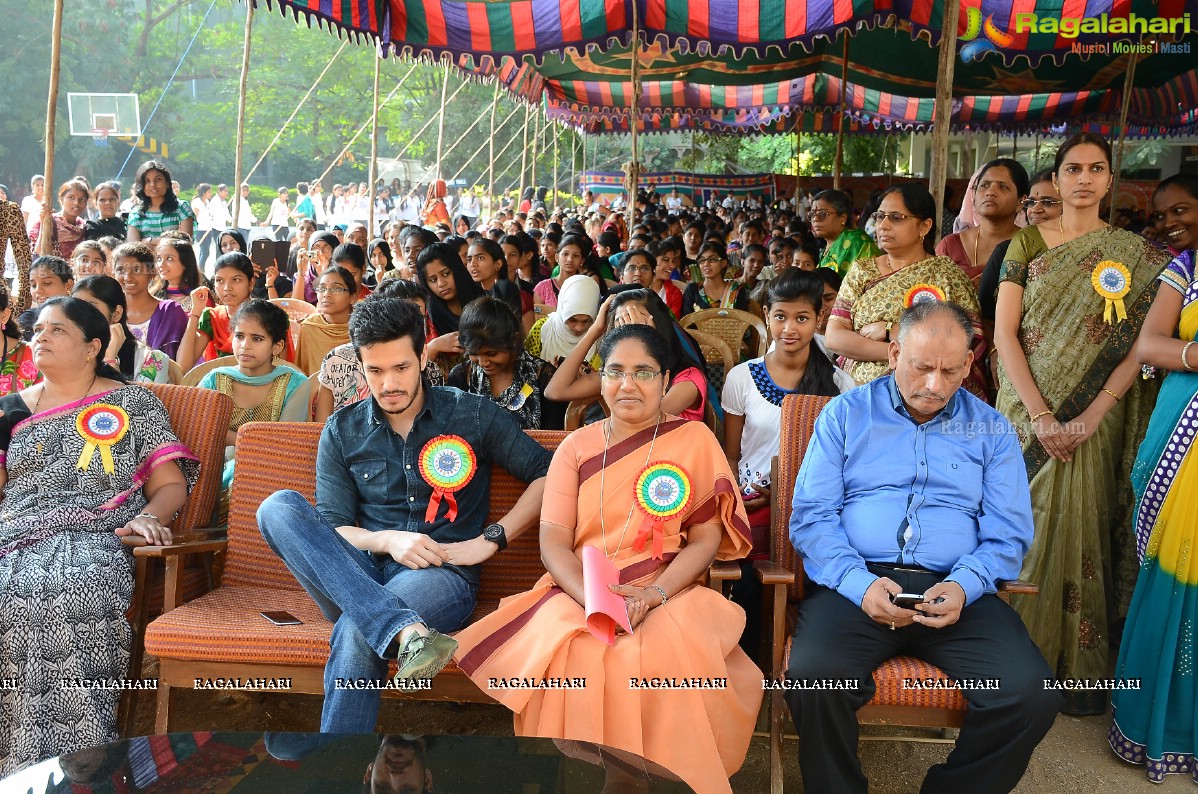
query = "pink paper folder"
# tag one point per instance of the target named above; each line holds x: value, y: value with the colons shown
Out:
x: 604, y: 609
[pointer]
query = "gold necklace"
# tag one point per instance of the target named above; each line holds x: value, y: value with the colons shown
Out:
x: 977, y: 238
x: 611, y: 555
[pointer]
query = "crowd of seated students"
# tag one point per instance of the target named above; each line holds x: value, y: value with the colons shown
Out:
x: 528, y: 312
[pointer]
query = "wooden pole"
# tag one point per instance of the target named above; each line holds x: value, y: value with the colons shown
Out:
x: 1128, y: 87
x: 524, y: 156
x: 374, y: 149
x: 557, y: 133
x: 295, y: 112
x: 536, y: 149
x: 428, y: 123
x: 366, y: 124
x: 491, y: 157
x: 944, y: 108
x: 441, y: 118
x: 45, y: 240
x: 574, y: 165
x: 798, y: 159
x: 844, y: 91
x: 634, y: 167
x: 241, y: 92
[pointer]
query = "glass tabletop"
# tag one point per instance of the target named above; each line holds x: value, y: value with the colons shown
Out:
x: 299, y: 763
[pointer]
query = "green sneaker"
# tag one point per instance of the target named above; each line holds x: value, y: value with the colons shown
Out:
x: 423, y: 657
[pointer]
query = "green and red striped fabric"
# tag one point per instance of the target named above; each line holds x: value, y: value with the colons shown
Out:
x: 537, y: 27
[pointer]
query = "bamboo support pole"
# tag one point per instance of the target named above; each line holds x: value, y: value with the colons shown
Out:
x: 557, y: 133
x: 491, y: 156
x: 536, y: 150
x: 944, y: 108
x: 523, y: 156
x: 374, y: 148
x: 45, y: 240
x: 1128, y: 86
x: 441, y: 117
x: 634, y: 167
x: 844, y: 92
x: 240, y: 145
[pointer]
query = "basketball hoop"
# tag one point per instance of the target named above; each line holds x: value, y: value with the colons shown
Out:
x: 100, y: 136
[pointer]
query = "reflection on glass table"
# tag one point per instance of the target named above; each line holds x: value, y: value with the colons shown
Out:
x: 299, y: 763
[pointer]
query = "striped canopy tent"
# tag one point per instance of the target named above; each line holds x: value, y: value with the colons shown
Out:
x: 484, y: 29
x: 597, y: 59
x: 890, y: 86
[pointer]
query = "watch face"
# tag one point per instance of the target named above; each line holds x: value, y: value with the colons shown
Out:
x: 493, y: 531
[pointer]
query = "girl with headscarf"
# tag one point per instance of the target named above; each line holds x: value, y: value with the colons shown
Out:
x: 434, y: 206
x: 554, y: 337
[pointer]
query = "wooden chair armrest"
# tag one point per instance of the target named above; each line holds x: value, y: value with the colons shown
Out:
x: 771, y: 573
x: 140, y: 549
x: 1019, y: 586
x: 724, y: 571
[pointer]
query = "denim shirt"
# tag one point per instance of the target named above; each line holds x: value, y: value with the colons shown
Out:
x: 369, y: 476
x: 950, y: 495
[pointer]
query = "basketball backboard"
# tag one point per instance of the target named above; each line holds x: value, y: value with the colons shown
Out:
x: 119, y: 114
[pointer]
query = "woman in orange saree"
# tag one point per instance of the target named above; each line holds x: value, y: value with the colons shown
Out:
x: 653, y: 495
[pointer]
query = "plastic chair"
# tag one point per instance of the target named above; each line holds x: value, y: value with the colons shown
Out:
x: 718, y: 357
x: 296, y: 309
x: 175, y: 372
x: 730, y: 325
x: 577, y: 410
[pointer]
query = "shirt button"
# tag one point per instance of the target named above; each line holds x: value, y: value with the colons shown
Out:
x: 411, y: 498
x: 365, y: 476
x: 954, y: 465
x: 409, y: 466
x: 921, y: 463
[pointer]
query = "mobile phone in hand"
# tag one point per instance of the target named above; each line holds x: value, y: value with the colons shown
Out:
x: 906, y: 600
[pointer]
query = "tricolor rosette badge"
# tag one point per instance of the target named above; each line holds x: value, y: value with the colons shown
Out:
x: 101, y: 426
x: 447, y: 463
x: 663, y: 491
x: 1112, y: 281
x: 922, y: 293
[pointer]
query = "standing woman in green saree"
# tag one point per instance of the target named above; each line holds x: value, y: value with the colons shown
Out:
x: 1072, y: 298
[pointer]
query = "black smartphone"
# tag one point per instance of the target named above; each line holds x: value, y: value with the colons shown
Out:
x: 281, y: 618
x: 906, y: 600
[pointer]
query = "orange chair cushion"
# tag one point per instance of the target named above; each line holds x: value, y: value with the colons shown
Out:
x: 889, y: 677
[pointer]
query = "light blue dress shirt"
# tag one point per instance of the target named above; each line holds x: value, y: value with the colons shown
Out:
x: 950, y: 495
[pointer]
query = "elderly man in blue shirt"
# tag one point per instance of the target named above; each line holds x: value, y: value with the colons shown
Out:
x: 912, y: 485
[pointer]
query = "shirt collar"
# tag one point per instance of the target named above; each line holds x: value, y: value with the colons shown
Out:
x: 896, y: 401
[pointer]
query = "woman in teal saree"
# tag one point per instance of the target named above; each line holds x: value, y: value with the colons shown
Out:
x: 1154, y: 724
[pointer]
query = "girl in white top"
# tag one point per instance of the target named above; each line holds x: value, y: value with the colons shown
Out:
x: 753, y: 391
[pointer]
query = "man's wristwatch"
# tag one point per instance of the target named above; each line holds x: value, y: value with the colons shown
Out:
x: 497, y: 535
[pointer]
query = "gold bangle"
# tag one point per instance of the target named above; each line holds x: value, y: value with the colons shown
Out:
x: 1042, y: 413
x: 1114, y: 396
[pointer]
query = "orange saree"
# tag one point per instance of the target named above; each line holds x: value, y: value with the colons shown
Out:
x: 699, y: 734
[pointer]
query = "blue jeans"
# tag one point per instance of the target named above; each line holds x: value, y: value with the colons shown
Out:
x: 370, y: 599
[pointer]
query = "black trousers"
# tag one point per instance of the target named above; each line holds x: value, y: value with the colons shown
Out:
x: 835, y: 639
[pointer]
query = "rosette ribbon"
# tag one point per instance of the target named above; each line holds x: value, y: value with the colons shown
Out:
x: 101, y: 426
x: 1112, y: 281
x: 922, y: 293
x: 447, y: 463
x: 663, y: 491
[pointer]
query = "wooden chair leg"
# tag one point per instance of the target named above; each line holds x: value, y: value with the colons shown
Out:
x: 778, y: 631
x: 162, y: 716
x: 127, y: 710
